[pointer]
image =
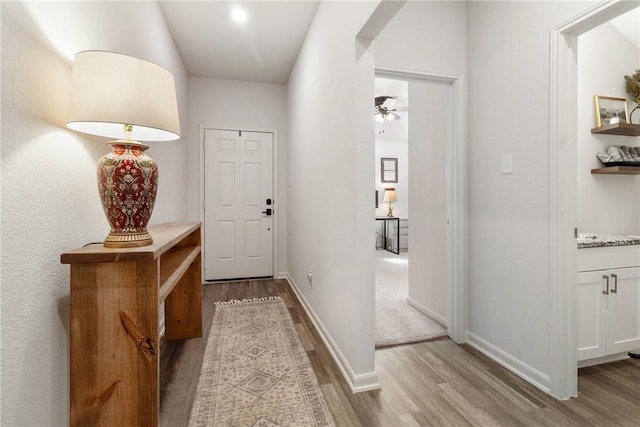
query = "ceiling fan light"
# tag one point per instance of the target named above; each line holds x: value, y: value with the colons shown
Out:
x: 392, y: 117
x: 379, y: 117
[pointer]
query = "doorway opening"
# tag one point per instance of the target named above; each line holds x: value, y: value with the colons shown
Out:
x: 399, y: 318
x: 563, y: 189
x: 422, y: 246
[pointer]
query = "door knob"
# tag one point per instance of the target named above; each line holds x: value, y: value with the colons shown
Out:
x: 267, y: 212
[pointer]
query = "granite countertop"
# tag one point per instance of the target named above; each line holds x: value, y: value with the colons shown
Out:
x: 591, y: 240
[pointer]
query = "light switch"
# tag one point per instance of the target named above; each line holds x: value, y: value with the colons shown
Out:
x: 506, y: 164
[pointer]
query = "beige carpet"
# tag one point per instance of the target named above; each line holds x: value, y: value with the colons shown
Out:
x: 396, y: 321
x: 255, y: 372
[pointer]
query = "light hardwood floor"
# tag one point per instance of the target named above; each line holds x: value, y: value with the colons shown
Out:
x: 436, y: 383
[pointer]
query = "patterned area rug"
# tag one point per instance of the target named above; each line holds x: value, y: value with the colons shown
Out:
x: 396, y: 321
x: 255, y: 372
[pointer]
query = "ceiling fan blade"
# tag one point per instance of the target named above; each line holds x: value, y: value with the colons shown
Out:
x: 388, y: 103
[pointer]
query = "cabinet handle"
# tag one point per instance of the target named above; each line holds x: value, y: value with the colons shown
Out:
x: 615, y: 284
x: 606, y: 278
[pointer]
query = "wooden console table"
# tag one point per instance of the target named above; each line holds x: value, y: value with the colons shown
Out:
x: 115, y: 299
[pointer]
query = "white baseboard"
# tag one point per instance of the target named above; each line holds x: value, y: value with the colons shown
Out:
x: 427, y: 312
x: 281, y: 275
x: 357, y: 383
x: 605, y: 359
x: 528, y: 373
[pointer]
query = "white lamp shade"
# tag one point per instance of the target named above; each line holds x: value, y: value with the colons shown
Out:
x: 110, y: 90
x: 389, y: 195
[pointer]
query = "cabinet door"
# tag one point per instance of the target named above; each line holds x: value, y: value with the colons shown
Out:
x: 623, y: 316
x: 591, y: 308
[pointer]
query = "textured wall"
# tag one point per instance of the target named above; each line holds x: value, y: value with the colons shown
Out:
x: 50, y: 202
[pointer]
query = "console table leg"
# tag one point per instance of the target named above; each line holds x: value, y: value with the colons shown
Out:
x: 114, y: 365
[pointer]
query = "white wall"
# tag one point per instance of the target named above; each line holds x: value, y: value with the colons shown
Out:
x: 398, y: 149
x: 427, y: 37
x: 134, y: 29
x: 508, y: 113
x: 239, y: 105
x: 608, y: 204
x: 429, y: 136
x: 331, y: 168
x: 50, y: 202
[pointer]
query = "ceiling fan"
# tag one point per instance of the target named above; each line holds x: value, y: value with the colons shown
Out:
x: 384, y: 110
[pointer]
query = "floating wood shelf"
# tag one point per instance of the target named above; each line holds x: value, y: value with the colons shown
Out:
x: 617, y: 170
x: 625, y: 129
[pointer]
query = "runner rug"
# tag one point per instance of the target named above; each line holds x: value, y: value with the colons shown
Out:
x: 255, y: 372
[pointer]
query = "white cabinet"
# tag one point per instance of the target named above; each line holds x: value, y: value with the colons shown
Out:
x: 608, y: 312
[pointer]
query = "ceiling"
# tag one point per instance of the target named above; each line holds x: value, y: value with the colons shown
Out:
x: 265, y: 47
x: 629, y: 25
x: 262, y: 49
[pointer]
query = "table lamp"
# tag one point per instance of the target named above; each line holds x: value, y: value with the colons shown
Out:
x: 389, y: 196
x: 118, y: 96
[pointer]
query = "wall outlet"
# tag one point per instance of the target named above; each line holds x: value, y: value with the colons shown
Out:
x: 310, y: 277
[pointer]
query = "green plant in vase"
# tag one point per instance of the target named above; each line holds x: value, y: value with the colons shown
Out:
x: 633, y: 89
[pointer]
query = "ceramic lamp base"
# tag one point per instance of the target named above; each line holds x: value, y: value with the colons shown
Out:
x: 127, y: 183
x: 115, y: 240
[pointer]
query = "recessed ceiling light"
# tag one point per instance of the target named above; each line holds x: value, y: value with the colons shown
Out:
x: 239, y: 15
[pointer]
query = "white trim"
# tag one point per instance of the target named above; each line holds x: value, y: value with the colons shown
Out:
x: 357, y: 383
x: 516, y: 366
x: 605, y: 359
x: 562, y: 190
x: 275, y: 181
x: 426, y: 311
x: 456, y: 196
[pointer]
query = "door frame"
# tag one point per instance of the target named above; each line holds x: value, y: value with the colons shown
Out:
x: 563, y: 190
x: 274, y: 183
x: 456, y: 176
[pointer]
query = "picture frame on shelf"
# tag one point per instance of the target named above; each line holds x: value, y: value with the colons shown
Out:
x: 389, y: 169
x: 610, y: 110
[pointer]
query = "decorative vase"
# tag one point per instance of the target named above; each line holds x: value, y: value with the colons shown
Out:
x: 631, y: 114
x: 127, y: 183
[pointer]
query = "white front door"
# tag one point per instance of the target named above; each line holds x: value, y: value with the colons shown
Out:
x: 238, y: 204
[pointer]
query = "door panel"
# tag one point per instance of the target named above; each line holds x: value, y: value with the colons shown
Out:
x: 591, y: 308
x: 623, y: 316
x: 238, y: 181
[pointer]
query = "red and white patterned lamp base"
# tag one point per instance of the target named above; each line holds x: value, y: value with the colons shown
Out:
x: 128, y: 184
